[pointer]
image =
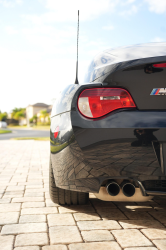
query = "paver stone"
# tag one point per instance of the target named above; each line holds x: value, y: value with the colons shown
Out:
x: 6, y: 242
x: 95, y: 245
x: 160, y: 244
x: 131, y: 238
x: 31, y: 239
x: 97, y: 235
x: 64, y: 234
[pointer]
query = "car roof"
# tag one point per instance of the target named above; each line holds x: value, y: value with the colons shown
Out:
x: 138, y: 51
x: 107, y: 59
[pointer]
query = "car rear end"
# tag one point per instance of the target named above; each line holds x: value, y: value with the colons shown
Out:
x: 118, y: 130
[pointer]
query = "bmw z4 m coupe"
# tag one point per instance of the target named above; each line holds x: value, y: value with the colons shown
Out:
x: 108, y: 135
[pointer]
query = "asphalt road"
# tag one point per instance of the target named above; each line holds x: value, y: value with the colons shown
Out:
x: 25, y: 133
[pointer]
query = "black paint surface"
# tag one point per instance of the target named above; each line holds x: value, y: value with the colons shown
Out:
x: 124, y: 144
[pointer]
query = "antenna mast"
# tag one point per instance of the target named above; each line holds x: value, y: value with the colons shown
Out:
x: 76, y: 81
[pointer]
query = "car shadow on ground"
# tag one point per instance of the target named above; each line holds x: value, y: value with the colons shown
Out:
x: 130, y: 215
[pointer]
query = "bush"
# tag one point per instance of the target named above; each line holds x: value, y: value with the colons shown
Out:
x: 3, y: 116
x: 13, y: 124
x: 31, y: 120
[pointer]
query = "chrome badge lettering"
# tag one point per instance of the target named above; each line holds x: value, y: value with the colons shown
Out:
x: 161, y: 91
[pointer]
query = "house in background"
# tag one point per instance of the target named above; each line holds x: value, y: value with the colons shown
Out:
x: 35, y: 109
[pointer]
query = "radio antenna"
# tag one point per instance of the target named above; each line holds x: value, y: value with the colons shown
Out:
x: 76, y: 81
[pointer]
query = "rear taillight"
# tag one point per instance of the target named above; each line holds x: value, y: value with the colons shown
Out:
x: 94, y: 103
x: 160, y: 65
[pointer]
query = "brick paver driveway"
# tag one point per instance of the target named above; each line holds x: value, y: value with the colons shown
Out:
x: 30, y: 221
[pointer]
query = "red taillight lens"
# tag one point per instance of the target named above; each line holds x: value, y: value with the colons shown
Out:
x: 94, y: 103
x: 160, y: 65
x: 56, y: 132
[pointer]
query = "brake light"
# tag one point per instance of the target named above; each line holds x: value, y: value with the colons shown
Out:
x: 160, y: 65
x: 56, y: 132
x: 96, y: 102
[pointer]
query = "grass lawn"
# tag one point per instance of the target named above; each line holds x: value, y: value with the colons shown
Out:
x: 32, y: 138
x: 5, y: 131
x: 9, y: 126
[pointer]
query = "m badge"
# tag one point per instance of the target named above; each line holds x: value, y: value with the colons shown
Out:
x: 161, y: 91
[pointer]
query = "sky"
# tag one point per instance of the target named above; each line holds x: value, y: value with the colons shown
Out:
x: 38, y: 41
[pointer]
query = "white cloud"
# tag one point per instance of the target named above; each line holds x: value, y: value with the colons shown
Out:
x: 157, y: 39
x: 157, y: 6
x: 10, y: 30
x: 89, y: 9
x: 28, y: 77
x: 19, y: 1
x: 50, y: 39
x: 8, y: 3
x: 128, y: 2
x: 108, y: 27
x: 60, y: 41
x: 130, y: 11
x: 65, y: 10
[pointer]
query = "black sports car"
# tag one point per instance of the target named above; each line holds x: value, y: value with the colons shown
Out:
x: 108, y: 135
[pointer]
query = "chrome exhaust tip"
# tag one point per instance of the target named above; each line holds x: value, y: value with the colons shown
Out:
x: 113, y: 188
x: 128, y: 188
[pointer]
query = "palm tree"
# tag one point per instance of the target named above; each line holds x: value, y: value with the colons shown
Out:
x: 43, y: 114
x: 18, y: 113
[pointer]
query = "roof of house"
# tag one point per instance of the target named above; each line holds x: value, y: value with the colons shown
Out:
x: 49, y: 110
x: 39, y: 104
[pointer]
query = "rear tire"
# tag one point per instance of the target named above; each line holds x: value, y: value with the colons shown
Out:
x: 53, y: 190
x: 65, y: 197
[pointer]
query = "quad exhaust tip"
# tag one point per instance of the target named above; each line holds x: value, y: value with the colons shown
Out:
x: 113, y: 188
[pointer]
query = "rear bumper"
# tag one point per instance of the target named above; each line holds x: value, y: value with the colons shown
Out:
x: 122, y: 145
